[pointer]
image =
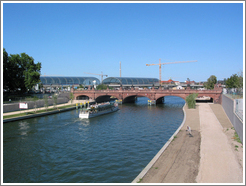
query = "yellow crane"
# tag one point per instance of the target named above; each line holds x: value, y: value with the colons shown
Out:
x: 97, y: 74
x: 167, y: 64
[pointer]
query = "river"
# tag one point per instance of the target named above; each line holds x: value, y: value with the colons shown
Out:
x: 113, y: 148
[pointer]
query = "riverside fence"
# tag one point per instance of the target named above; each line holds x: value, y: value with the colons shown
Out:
x: 234, y: 110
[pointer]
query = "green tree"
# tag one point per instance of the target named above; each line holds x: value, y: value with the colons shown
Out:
x: 46, y: 102
x: 240, y: 76
x: 54, y: 100
x: 234, y: 81
x: 20, y: 72
x: 10, y: 73
x: 211, y: 81
x: 191, y: 100
x: 71, y: 96
x: 35, y: 99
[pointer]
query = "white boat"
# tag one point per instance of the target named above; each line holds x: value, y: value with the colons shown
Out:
x: 98, y: 109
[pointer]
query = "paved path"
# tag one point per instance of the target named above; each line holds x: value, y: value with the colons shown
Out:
x: 218, y: 163
x: 41, y: 108
x: 32, y: 110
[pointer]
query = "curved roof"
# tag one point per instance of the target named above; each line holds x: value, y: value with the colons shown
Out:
x: 131, y: 81
x: 60, y: 80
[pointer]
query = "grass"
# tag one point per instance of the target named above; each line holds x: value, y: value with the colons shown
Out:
x: 236, y: 137
x: 174, y: 137
x: 140, y: 180
x: 37, y: 111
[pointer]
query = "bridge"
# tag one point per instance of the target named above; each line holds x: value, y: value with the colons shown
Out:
x: 156, y: 95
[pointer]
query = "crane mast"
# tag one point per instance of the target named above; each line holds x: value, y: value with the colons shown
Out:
x: 167, y: 64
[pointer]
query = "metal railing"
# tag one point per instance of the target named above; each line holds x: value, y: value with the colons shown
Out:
x: 234, y: 93
x: 239, y: 108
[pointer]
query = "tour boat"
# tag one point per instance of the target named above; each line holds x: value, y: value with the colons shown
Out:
x: 98, y: 109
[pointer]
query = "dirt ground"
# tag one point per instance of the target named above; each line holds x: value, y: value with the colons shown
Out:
x: 180, y: 161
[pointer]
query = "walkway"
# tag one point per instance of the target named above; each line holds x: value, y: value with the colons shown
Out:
x: 41, y: 108
x: 218, y: 163
x: 206, y: 156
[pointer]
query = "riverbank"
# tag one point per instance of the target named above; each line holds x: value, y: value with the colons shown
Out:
x: 200, y: 157
x: 31, y: 113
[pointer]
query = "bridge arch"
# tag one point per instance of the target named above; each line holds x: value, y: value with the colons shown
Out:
x: 161, y: 99
x: 126, y: 95
x: 82, y: 97
x: 102, y: 98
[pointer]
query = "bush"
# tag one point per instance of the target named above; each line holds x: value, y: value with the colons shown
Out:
x: 103, y: 87
x: 191, y: 100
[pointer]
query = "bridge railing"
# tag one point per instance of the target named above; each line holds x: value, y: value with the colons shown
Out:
x: 154, y: 90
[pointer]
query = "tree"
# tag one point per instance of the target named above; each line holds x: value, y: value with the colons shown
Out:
x: 46, y: 102
x: 10, y: 71
x: 71, y: 96
x: 240, y: 76
x: 234, y: 81
x: 20, y: 72
x: 35, y: 99
x: 54, y: 100
x: 211, y: 81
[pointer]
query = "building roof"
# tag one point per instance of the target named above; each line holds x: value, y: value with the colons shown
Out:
x: 135, y: 81
x: 61, y: 80
x: 169, y: 81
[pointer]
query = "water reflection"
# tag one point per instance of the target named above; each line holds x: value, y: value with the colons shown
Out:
x: 23, y: 127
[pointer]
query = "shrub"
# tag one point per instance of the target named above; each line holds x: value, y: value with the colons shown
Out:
x: 191, y: 100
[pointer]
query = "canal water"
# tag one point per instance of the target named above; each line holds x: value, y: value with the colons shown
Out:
x: 114, y: 148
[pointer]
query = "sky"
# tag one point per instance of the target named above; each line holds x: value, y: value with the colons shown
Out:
x: 72, y: 39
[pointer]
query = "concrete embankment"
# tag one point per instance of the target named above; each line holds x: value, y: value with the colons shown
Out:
x: 206, y: 156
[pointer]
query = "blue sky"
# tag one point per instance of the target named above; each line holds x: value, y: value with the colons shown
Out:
x: 72, y: 38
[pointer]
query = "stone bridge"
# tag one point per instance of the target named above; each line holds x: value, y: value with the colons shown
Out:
x: 152, y: 94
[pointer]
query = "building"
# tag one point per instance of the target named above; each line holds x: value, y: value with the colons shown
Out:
x: 170, y: 82
x: 68, y: 81
x: 130, y: 81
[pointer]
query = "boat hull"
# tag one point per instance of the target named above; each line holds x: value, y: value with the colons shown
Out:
x: 87, y: 115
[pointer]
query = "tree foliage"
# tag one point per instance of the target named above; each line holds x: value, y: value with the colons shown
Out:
x: 234, y: 81
x: 20, y: 72
x: 211, y: 81
x: 71, y: 96
x: 55, y: 100
x: 102, y: 87
x: 46, y: 102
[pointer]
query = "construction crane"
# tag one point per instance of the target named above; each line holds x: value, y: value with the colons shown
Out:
x: 167, y: 64
x: 97, y: 74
